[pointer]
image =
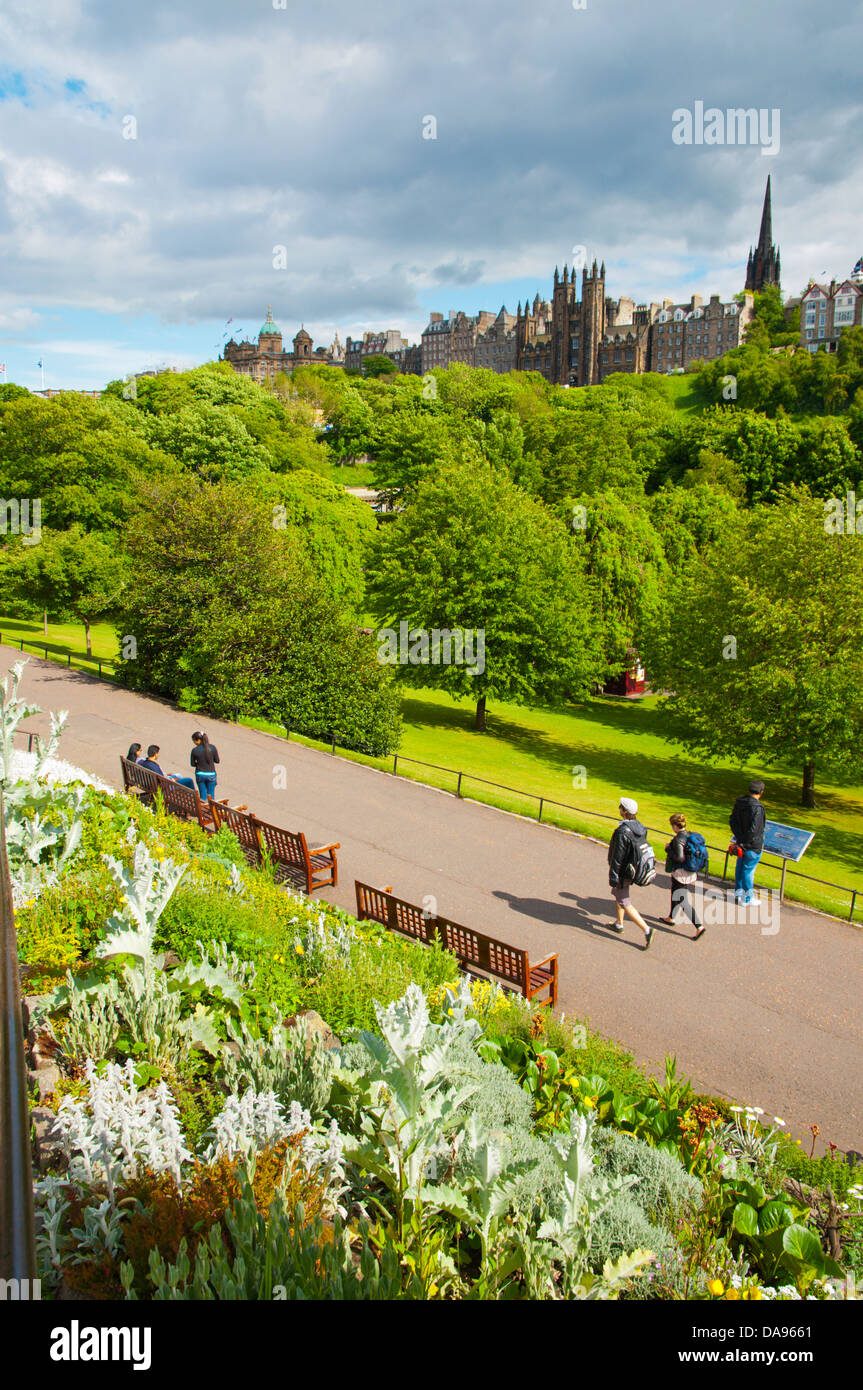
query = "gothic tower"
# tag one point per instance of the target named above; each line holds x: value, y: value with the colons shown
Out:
x: 592, y: 324
x: 763, y: 267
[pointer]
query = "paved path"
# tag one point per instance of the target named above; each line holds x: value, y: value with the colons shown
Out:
x: 772, y: 1020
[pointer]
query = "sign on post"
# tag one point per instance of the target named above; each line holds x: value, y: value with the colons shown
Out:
x: 786, y: 841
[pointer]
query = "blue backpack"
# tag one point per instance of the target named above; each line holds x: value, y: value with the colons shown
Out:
x: 695, y: 856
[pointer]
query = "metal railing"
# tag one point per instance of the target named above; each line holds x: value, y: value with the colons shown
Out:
x: 49, y: 653
x: 17, y: 1246
x: 780, y: 867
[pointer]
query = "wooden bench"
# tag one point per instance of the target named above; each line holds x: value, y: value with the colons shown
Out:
x: 178, y: 800
x: 478, y: 955
x: 244, y: 827
x: 294, y: 861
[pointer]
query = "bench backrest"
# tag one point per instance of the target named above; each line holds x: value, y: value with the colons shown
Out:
x: 179, y: 800
x: 375, y: 905
x: 244, y: 826
x: 479, y: 952
x: 471, y: 948
x: 135, y: 776
x: 285, y: 846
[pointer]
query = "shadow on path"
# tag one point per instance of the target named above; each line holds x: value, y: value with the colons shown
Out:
x: 581, y: 916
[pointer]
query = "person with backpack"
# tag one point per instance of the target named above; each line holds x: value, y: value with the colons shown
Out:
x: 630, y: 860
x: 204, y: 757
x: 747, y: 822
x: 685, y: 859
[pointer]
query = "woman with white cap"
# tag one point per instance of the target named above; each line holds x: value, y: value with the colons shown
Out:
x: 623, y: 855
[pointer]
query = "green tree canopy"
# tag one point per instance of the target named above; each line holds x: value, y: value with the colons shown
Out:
x: 472, y: 553
x: 227, y: 613
x: 763, y: 641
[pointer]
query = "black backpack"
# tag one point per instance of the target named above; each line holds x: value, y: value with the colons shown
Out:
x: 643, y: 863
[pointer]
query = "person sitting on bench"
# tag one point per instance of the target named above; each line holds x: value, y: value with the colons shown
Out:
x: 152, y: 766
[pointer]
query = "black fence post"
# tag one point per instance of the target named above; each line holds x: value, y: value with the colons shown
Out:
x: 853, y: 904
x: 539, y: 817
x: 395, y: 763
x: 236, y: 714
x: 288, y: 732
x: 458, y: 788
x: 99, y: 664
x: 334, y: 746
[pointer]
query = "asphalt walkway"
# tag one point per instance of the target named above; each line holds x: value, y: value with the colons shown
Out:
x: 770, y: 1018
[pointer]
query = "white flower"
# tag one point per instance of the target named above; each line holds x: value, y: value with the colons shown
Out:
x: 777, y: 1121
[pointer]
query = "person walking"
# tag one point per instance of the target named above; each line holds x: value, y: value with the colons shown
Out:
x: 204, y: 757
x: 747, y: 826
x: 152, y: 766
x: 683, y: 878
x: 623, y: 856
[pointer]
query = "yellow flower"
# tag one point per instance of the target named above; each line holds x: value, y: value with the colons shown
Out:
x: 432, y: 1290
x: 755, y: 1295
x: 590, y: 1102
x: 716, y: 1287
x: 300, y: 951
x: 449, y: 1011
x: 732, y: 1295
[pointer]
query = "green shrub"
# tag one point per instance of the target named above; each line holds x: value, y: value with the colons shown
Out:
x: 665, y: 1190
x: 624, y: 1226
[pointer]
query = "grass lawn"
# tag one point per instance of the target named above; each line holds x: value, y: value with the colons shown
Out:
x: 624, y: 748
x: 63, y: 640
x: 347, y: 474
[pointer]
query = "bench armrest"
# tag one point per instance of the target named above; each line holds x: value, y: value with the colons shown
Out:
x: 321, y: 849
x: 546, y: 960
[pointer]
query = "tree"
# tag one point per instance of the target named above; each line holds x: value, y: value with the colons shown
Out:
x: 227, y: 613
x: 378, y: 364
x: 624, y: 559
x: 82, y: 458
x: 763, y: 641
x: 332, y: 528
x: 473, y: 554
x: 71, y: 573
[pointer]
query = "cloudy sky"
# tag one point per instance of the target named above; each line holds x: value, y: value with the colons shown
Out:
x: 257, y: 127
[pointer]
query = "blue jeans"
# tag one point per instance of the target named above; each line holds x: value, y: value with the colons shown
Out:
x: 206, y: 785
x: 183, y: 781
x: 744, y: 874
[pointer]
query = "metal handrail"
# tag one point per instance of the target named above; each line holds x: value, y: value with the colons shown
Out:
x: 460, y: 775
x: 17, y: 1243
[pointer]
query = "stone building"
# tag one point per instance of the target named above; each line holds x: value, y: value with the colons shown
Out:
x: 697, y: 332
x: 826, y: 310
x: 437, y: 341
x: 496, y: 347
x: 264, y: 359
x: 388, y: 343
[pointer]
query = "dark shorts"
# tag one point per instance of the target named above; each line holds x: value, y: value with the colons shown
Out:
x: 621, y: 894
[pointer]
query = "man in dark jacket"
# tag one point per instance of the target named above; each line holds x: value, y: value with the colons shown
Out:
x: 747, y: 826
x: 622, y: 857
x: 152, y: 766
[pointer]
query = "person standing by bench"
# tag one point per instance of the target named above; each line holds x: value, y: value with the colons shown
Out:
x: 204, y: 757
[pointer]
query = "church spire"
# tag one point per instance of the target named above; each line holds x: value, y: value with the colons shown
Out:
x: 765, y: 239
x: 763, y: 266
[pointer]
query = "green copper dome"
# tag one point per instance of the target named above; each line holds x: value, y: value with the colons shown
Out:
x: 269, y: 326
